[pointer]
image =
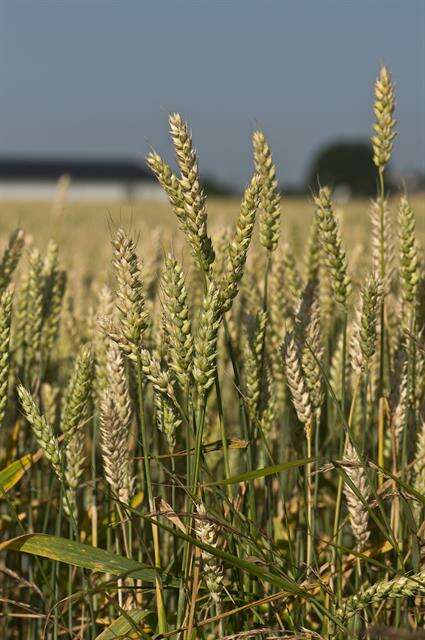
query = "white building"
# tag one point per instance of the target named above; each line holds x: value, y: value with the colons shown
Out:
x: 37, y: 178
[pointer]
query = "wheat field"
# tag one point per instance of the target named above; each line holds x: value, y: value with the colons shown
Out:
x: 213, y: 411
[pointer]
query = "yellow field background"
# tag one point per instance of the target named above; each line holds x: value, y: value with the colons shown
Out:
x: 83, y: 230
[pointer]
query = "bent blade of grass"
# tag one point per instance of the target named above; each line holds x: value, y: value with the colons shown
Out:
x: 283, y: 583
x: 122, y: 626
x: 82, y: 555
x: 12, y: 474
x: 261, y: 473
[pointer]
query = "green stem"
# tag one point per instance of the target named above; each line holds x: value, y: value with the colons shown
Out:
x: 162, y: 619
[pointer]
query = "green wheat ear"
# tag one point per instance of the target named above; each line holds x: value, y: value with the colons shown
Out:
x: 43, y: 432
x: 365, y: 330
x: 176, y: 321
x: 382, y: 140
x: 205, y: 358
x: 239, y: 245
x: 11, y: 257
x: 5, y: 321
x: 409, y: 260
x: 77, y: 395
x: 192, y: 192
x: 115, y: 416
x: 270, y: 197
x: 131, y: 303
x: 333, y: 249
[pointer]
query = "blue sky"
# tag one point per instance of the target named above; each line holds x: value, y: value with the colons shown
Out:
x: 100, y: 77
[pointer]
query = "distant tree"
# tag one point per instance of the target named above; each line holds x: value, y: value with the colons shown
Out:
x: 347, y: 165
x: 213, y: 187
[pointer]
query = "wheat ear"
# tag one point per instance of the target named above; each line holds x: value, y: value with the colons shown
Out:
x: 176, y: 321
x: 212, y: 570
x: 364, y: 336
x: 357, y: 511
x: 270, y: 197
x: 130, y: 292
x: 193, y: 194
x: 42, y: 430
x: 382, y: 140
x: 115, y: 415
x: 334, y: 252
x: 5, y: 319
x: 11, y: 258
x: 238, y: 247
x: 401, y: 587
x: 409, y: 260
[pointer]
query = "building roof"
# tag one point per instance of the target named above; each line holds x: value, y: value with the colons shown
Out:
x: 44, y: 168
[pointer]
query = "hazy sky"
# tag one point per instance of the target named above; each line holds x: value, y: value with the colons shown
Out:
x: 100, y: 77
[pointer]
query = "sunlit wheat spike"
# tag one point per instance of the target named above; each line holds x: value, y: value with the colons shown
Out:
x: 212, y: 569
x: 357, y: 511
x: 283, y: 297
x: 74, y: 458
x: 205, y: 357
x: 238, y: 247
x: 5, y: 319
x: 176, y: 320
x: 281, y: 301
x: 52, y: 322
x: 130, y: 291
x: 50, y: 262
x: 34, y: 311
x: 269, y: 411
x: 171, y: 185
x: 117, y: 382
x: 296, y: 380
x: 270, y: 197
x: 114, y: 447
x: 334, y: 252
x: 53, y: 293
x: 155, y: 373
x: 313, y: 253
x: 326, y: 299
x: 174, y: 190
x: 11, y: 257
x: 292, y: 278
x: 409, y: 260
x: 364, y: 333
x: 115, y: 417
x: 193, y: 194
x: 401, y: 408
x: 419, y: 466
x: 20, y: 317
x: 312, y: 357
x: 420, y: 306
x: 77, y: 395
x: 382, y: 140
x: 253, y: 349
x: 167, y: 416
x: 400, y: 587
x: 336, y: 365
x: 252, y: 380
x: 101, y: 340
x: 383, y: 249
x: 43, y: 432
x: 418, y: 390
